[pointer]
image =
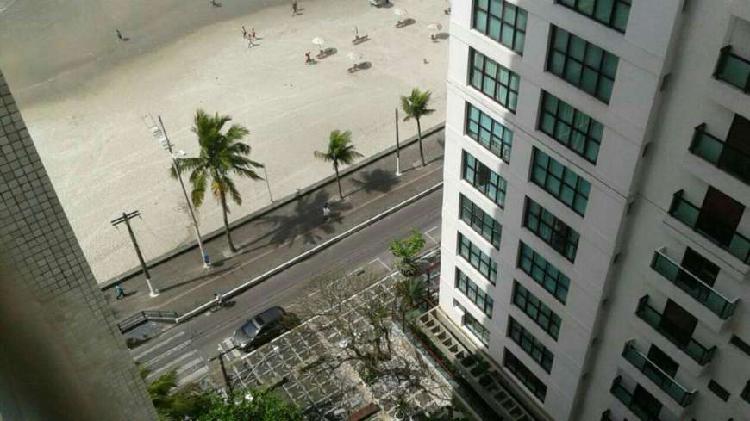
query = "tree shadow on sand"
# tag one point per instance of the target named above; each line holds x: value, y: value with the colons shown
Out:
x: 305, y: 221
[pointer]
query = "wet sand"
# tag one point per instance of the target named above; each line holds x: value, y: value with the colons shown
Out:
x: 83, y: 95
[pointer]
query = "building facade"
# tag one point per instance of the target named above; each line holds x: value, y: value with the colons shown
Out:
x: 62, y: 357
x: 597, y: 170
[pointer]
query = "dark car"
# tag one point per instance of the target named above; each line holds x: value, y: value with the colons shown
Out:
x: 260, y: 329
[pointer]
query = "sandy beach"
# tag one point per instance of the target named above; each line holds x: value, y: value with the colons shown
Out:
x: 84, y: 93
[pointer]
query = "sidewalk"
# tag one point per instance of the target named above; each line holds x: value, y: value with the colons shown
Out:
x: 270, y: 238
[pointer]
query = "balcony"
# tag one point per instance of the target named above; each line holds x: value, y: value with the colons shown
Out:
x: 687, y: 213
x: 694, y: 349
x: 693, y: 286
x: 723, y: 156
x: 733, y: 69
x: 682, y: 396
x: 626, y: 397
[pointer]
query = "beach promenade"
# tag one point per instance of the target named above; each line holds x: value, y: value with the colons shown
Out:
x: 84, y: 94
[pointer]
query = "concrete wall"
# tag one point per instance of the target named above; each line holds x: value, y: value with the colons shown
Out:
x: 63, y: 357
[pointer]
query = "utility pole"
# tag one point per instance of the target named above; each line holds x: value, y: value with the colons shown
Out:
x: 398, y: 147
x: 126, y: 217
x: 160, y: 134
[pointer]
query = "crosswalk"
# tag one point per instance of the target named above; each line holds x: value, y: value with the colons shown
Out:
x: 172, y: 352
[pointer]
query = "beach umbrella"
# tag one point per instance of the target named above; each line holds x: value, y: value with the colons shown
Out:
x: 319, y: 42
x: 434, y: 27
x: 400, y: 12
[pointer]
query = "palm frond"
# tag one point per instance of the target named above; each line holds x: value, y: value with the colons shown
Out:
x: 198, y: 180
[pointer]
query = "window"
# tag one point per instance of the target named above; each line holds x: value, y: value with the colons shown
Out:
x: 536, y: 310
x: 480, y: 221
x: 477, y: 329
x: 535, y: 349
x: 718, y: 390
x: 473, y: 293
x: 612, y: 13
x: 544, y: 273
x: 477, y: 259
x: 493, y: 80
x: 582, y: 64
x: 733, y: 69
x: 501, y: 21
x: 488, y: 182
x: 739, y: 343
x: 559, y: 181
x: 524, y: 375
x: 488, y: 132
x: 556, y: 233
x: 570, y: 127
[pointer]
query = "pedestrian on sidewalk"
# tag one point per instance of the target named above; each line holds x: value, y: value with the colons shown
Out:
x: 326, y: 212
x: 119, y: 292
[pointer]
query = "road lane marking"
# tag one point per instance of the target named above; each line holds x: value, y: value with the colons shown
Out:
x: 377, y: 259
x: 159, y: 344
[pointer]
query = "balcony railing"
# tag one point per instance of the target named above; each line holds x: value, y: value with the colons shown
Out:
x: 725, y: 157
x: 682, y: 396
x: 623, y: 395
x: 687, y: 213
x: 694, y: 349
x: 733, y: 69
x: 693, y: 286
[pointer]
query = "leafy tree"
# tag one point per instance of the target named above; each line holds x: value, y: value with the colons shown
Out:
x: 256, y: 406
x: 406, y: 251
x: 340, y: 151
x: 221, y: 155
x: 415, y: 106
x: 172, y: 403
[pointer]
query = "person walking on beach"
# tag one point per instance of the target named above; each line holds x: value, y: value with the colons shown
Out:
x: 244, y: 32
x: 252, y: 33
x: 119, y: 35
x: 294, y: 7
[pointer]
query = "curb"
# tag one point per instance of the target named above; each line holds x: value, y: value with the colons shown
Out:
x: 261, y: 278
x: 268, y: 208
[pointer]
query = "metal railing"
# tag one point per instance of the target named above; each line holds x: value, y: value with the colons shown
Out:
x: 682, y: 396
x: 693, y: 286
x: 694, y: 349
x: 688, y: 213
x: 722, y: 155
x: 623, y: 395
x: 733, y: 69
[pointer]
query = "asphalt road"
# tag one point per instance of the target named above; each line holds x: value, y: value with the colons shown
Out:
x: 199, y: 338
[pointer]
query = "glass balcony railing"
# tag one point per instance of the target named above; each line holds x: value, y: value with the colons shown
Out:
x: 687, y: 213
x: 623, y: 395
x: 717, y: 152
x: 693, y: 286
x: 694, y: 349
x: 733, y: 69
x: 682, y: 396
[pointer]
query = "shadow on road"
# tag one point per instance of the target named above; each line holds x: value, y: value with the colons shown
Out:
x: 378, y: 180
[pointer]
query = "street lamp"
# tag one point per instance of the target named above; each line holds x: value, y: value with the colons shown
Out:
x: 398, y: 147
x: 160, y: 134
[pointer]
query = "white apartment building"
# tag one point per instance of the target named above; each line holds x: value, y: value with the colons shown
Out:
x: 597, y: 171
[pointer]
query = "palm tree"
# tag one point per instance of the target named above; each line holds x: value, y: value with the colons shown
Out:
x: 415, y: 106
x: 340, y: 151
x: 221, y: 155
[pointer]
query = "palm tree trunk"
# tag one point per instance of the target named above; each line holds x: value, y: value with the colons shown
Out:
x: 419, y: 136
x: 338, y: 179
x: 225, y: 214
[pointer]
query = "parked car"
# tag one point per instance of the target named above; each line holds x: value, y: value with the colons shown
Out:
x: 260, y: 329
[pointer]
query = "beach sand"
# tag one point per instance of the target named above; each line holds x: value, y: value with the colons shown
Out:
x: 83, y: 95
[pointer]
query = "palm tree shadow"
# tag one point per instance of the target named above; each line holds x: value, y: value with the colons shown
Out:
x: 376, y: 180
x: 305, y: 222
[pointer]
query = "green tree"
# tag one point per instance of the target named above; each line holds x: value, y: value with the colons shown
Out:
x: 262, y: 406
x: 172, y: 403
x: 406, y: 251
x: 340, y: 151
x: 221, y: 155
x: 415, y: 106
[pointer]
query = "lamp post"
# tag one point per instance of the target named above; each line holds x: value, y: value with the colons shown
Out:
x: 125, y: 218
x: 268, y: 184
x: 398, y: 147
x: 160, y: 134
